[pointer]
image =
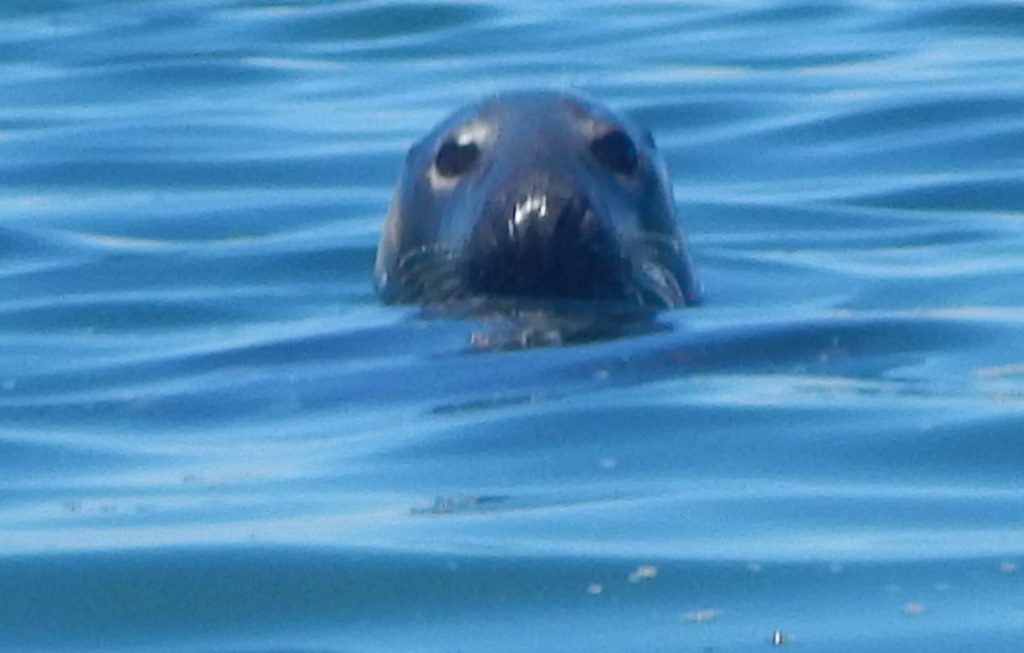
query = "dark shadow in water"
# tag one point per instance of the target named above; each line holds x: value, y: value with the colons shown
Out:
x: 502, y: 324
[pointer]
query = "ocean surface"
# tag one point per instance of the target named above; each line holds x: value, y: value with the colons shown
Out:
x: 215, y: 439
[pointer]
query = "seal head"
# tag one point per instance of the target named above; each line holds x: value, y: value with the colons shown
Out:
x: 535, y: 196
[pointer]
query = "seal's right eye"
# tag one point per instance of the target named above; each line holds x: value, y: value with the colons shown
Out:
x: 616, y: 151
x: 454, y: 159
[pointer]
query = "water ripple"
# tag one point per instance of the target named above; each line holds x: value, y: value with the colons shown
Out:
x: 214, y: 438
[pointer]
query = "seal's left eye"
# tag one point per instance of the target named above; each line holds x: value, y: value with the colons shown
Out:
x: 455, y: 159
x: 616, y: 151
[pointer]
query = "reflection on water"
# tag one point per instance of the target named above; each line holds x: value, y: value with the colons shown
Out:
x: 213, y: 437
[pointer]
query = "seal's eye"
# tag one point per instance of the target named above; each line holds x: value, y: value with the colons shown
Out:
x: 616, y: 151
x: 455, y: 159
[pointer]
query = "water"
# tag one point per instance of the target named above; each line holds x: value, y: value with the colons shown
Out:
x: 213, y: 438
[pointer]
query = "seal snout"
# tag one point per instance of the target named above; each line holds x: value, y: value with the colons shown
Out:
x: 545, y: 240
x: 540, y: 214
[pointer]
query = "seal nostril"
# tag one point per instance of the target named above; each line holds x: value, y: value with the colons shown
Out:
x: 544, y: 219
x: 533, y: 207
x: 576, y: 224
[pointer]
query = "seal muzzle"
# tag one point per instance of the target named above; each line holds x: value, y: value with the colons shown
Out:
x: 545, y: 241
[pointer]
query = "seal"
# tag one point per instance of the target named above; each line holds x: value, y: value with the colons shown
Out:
x: 535, y: 196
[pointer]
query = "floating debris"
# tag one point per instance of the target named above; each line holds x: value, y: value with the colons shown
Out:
x: 779, y: 638
x: 454, y: 505
x: 913, y: 609
x: 701, y: 616
x: 643, y: 572
x: 1008, y: 567
x: 595, y: 588
x: 1000, y: 371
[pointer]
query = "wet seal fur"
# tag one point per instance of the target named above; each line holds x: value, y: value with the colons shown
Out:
x: 535, y: 198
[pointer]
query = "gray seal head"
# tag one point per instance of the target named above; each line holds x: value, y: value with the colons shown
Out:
x: 535, y: 196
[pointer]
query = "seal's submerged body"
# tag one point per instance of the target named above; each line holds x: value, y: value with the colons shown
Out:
x: 535, y: 196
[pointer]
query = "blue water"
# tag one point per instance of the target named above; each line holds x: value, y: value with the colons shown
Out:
x: 214, y: 438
